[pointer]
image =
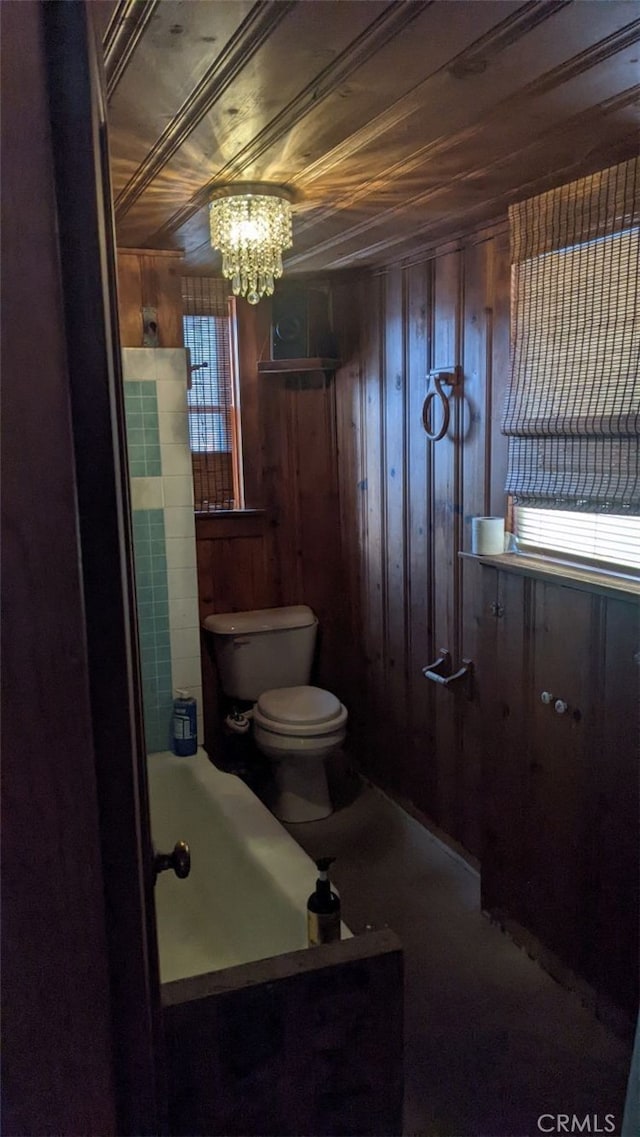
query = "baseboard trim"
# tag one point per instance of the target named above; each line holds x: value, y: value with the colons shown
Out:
x: 449, y: 844
x: 615, y: 1018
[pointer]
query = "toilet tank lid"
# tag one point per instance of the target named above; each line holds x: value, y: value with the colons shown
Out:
x: 260, y: 620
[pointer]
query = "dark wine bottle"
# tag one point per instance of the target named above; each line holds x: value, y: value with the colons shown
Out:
x: 323, y: 908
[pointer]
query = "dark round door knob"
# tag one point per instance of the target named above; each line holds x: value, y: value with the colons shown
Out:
x: 179, y: 860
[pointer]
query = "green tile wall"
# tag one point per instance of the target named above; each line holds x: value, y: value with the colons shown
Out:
x: 143, y: 439
x: 153, y: 622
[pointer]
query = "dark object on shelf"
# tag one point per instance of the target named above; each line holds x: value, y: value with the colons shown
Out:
x: 301, y: 324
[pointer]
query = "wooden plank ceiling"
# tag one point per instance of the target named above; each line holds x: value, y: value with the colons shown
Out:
x: 398, y: 125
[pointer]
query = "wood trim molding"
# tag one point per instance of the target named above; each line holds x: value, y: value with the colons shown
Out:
x: 254, y: 30
x: 584, y: 61
x: 504, y: 34
x: 149, y: 252
x: 277, y: 967
x: 568, y: 69
x: 565, y: 574
x: 87, y: 259
x: 500, y: 37
x: 464, y: 220
x: 57, y: 1033
x: 386, y: 27
x: 125, y: 31
x: 389, y: 120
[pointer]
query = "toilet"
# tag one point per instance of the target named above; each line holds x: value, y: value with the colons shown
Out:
x: 265, y: 657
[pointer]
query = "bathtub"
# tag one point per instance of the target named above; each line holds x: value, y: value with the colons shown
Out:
x: 245, y: 898
x: 260, y: 1036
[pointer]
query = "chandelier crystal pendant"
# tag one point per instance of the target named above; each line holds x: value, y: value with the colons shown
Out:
x: 251, y: 229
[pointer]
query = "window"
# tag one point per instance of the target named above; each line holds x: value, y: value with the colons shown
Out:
x: 597, y: 538
x: 209, y: 327
x: 208, y: 341
x: 573, y: 407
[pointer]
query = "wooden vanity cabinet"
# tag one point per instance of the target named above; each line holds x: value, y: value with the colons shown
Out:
x: 561, y: 855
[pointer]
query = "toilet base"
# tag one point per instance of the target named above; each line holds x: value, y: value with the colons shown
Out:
x: 302, y: 793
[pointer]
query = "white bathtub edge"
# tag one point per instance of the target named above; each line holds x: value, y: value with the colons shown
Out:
x: 292, y: 871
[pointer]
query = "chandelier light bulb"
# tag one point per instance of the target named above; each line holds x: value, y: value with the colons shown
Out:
x: 251, y: 230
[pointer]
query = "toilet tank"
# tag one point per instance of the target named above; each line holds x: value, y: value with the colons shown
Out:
x: 266, y: 648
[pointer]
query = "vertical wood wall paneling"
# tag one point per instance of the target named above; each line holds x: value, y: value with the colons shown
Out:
x: 560, y: 864
x: 317, y: 514
x: 556, y: 839
x: 374, y: 632
x: 150, y: 279
x: 363, y: 519
x: 504, y: 661
x: 499, y: 361
x: 290, y: 531
x: 351, y: 486
x: 420, y: 780
x: 58, y: 1031
x: 233, y: 575
x: 278, y: 483
x: 254, y: 323
x: 394, y: 451
x: 613, y: 868
x: 447, y: 506
x: 404, y: 573
x: 129, y: 299
x: 475, y: 457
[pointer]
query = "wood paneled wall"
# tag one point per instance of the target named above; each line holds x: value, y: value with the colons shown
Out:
x: 360, y: 515
x: 406, y: 506
x: 560, y: 790
x: 363, y: 516
x: 530, y: 795
x: 59, y: 1032
x: 288, y: 550
x: 331, y: 1016
x: 150, y: 278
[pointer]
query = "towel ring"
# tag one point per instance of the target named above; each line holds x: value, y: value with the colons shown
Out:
x: 451, y: 379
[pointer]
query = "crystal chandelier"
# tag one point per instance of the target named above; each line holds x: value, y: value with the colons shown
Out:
x: 251, y: 228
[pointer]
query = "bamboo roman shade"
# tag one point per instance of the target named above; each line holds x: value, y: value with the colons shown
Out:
x: 205, y: 296
x: 573, y: 406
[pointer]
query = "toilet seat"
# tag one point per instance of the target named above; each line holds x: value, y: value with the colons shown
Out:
x: 297, y: 728
x: 301, y: 712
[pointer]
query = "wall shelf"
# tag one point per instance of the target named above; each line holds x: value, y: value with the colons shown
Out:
x: 287, y: 366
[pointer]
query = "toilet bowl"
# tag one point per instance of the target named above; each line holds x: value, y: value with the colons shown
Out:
x: 297, y: 728
x: 264, y: 657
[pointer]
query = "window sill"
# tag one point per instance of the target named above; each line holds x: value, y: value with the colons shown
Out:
x: 229, y: 524
x: 227, y: 514
x: 574, y: 576
x: 282, y: 366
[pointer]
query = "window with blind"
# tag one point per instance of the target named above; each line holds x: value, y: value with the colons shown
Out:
x: 572, y: 414
x: 599, y: 538
x: 214, y: 423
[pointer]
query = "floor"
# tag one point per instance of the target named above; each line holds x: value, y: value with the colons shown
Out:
x: 492, y: 1042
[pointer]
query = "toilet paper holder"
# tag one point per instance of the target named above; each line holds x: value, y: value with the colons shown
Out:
x: 440, y: 670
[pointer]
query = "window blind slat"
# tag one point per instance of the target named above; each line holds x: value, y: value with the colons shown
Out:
x: 572, y: 412
x: 597, y: 537
x: 207, y: 331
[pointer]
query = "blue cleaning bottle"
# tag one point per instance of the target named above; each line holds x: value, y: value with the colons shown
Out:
x: 184, y: 725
